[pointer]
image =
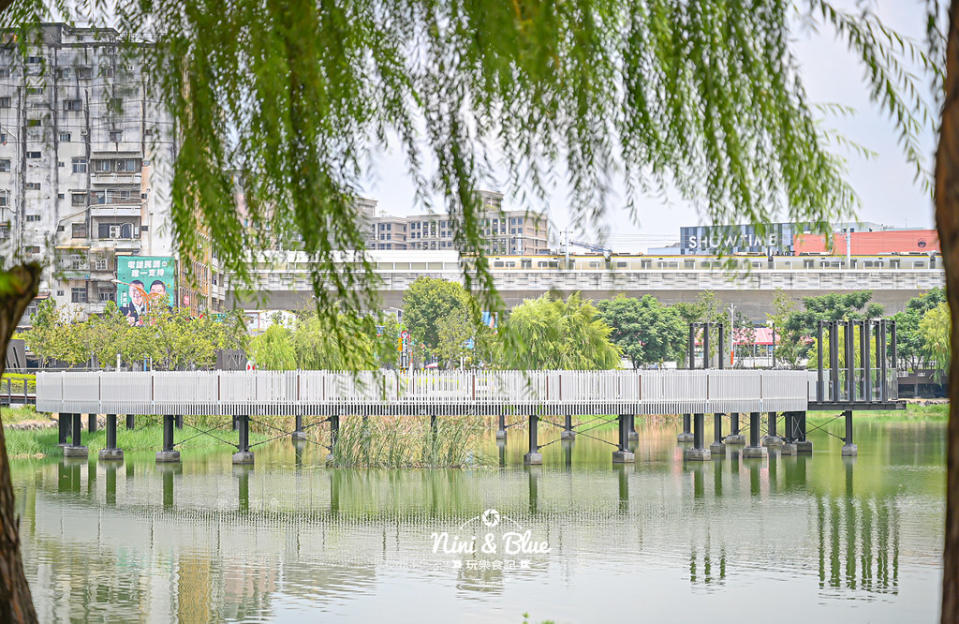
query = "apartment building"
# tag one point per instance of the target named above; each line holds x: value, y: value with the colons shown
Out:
x: 85, y: 162
x: 513, y: 232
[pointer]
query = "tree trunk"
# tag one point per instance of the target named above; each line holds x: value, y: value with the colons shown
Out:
x: 18, y: 287
x: 947, y: 222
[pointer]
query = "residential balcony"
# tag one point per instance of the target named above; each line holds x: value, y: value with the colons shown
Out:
x: 116, y: 244
x: 117, y: 209
x: 115, y: 178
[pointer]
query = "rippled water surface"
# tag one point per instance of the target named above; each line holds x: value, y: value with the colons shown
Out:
x: 788, y: 539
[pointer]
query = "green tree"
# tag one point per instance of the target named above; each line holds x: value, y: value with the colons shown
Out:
x: 273, y: 349
x: 41, y: 336
x: 801, y: 326
x: 646, y: 331
x: 548, y: 333
x: 910, y: 344
x: 789, y: 348
x: 935, y: 329
x: 426, y: 302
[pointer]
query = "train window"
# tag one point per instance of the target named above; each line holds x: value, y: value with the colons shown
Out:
x: 594, y: 265
x: 919, y: 265
x: 620, y: 265
x: 510, y: 265
x: 499, y: 264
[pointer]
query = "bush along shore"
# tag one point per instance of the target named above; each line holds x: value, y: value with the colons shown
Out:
x: 381, y: 441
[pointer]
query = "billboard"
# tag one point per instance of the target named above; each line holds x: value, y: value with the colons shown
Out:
x: 143, y: 278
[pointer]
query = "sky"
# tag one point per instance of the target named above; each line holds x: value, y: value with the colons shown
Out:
x: 885, y: 182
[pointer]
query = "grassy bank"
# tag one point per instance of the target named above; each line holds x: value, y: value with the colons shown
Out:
x: 16, y: 380
x: 912, y: 412
x: 146, y: 437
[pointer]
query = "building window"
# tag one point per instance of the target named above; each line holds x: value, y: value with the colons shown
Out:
x: 116, y: 136
x: 5, y: 72
x: 34, y: 154
x: 116, y: 105
x: 79, y: 230
x: 4, y: 198
x: 32, y: 249
x: 32, y: 186
x: 33, y: 218
x: 4, y: 165
x: 34, y: 90
x: 65, y: 137
x: 73, y: 105
x: 79, y: 165
x: 84, y: 73
x: 5, y: 102
x: 78, y: 199
x: 34, y: 123
x: 105, y: 294
x: 33, y: 60
x: 100, y: 264
x: 102, y: 166
x: 78, y: 295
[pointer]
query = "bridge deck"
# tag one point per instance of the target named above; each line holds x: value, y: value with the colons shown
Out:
x: 423, y: 392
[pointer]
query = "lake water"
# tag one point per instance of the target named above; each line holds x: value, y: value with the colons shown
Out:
x: 786, y: 539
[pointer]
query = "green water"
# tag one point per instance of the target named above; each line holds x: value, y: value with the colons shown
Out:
x: 788, y: 539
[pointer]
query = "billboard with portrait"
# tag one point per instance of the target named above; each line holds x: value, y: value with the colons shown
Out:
x: 144, y: 278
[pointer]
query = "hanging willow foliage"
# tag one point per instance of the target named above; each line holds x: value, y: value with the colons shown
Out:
x: 285, y: 102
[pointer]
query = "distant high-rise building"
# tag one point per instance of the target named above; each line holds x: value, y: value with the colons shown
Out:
x: 85, y: 161
x: 513, y: 232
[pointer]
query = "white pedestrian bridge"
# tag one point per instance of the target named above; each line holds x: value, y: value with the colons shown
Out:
x: 388, y: 392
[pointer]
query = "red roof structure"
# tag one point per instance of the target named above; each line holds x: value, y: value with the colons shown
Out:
x: 870, y: 243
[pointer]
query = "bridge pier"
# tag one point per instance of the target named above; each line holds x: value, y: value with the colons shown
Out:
x: 803, y: 446
x: 789, y: 441
x: 533, y: 457
x: 755, y: 450
x: 771, y: 438
x: 130, y: 421
x: 849, y: 449
x: 623, y: 455
x: 179, y: 421
x: 568, y: 433
x: 698, y: 452
x: 501, y: 429
x: 298, y: 433
x: 63, y: 433
x: 111, y: 452
x: 717, y: 448
x: 168, y: 454
x: 734, y: 436
x: 686, y: 435
x: 243, y: 454
x: 633, y: 435
x: 76, y: 449
x: 334, y: 434
x: 92, y: 423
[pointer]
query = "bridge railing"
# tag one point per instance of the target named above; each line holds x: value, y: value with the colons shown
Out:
x: 445, y: 392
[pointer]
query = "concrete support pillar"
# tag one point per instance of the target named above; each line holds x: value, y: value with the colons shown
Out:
x: 168, y: 454
x: 92, y: 423
x: 111, y: 452
x: 755, y: 450
x: 849, y: 449
x: 698, y: 452
x: 298, y: 433
x: 64, y: 424
x: 533, y: 457
x: 834, y: 361
x: 433, y: 428
x: 243, y: 454
x: 771, y: 438
x: 789, y: 440
x: 334, y: 434
x: 687, y: 434
x: 717, y: 448
x: 734, y: 436
x: 633, y: 435
x: 866, y: 360
x: 131, y: 421
x: 803, y: 445
x: 179, y: 421
x: 622, y: 455
x: 76, y: 449
x: 234, y: 422
x: 568, y: 433
x: 501, y: 429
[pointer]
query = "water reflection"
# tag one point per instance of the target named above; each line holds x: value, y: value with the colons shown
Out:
x: 292, y: 539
